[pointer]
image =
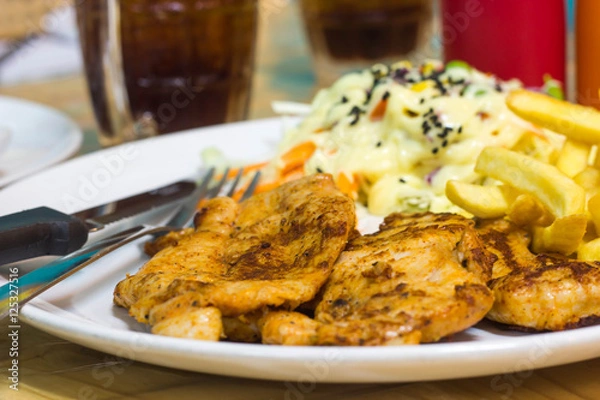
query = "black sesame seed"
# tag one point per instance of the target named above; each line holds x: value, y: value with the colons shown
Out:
x: 379, y: 144
x: 460, y: 129
x: 426, y: 127
x: 344, y: 99
x: 444, y: 143
x: 354, y: 111
x: 386, y: 95
x: 319, y: 170
x: 434, y: 150
x: 440, y: 86
x: 422, y: 101
x: 402, y: 180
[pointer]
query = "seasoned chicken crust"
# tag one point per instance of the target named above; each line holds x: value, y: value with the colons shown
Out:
x: 420, y: 278
x: 538, y: 292
x: 275, y: 249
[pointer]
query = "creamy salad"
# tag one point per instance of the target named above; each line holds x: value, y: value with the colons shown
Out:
x: 398, y: 133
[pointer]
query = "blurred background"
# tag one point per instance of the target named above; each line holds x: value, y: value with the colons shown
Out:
x: 39, y: 47
x: 39, y: 42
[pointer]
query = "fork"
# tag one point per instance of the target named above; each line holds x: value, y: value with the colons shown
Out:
x: 17, y: 292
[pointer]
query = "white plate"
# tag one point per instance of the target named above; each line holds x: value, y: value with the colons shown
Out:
x: 80, y: 309
x: 38, y: 137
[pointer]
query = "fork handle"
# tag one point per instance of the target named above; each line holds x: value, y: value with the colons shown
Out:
x: 38, y: 232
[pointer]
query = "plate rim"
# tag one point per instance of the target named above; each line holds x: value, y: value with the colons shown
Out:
x: 114, y: 340
x: 73, y: 137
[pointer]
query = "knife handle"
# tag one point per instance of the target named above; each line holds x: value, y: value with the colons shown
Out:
x: 39, y: 232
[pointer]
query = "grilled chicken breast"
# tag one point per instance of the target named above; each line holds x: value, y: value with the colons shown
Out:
x: 275, y: 249
x: 420, y: 278
x: 538, y: 292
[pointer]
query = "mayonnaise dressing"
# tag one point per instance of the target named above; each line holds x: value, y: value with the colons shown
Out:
x: 436, y: 120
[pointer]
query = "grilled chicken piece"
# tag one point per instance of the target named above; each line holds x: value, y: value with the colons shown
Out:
x: 199, y: 323
x: 538, y: 292
x: 418, y: 279
x: 169, y: 240
x: 275, y: 249
x: 289, y: 328
x: 244, y: 328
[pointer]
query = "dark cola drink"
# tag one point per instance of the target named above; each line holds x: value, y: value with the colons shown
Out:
x: 352, y: 34
x: 160, y: 66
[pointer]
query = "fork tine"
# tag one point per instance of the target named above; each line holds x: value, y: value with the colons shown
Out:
x: 215, y: 190
x: 251, y: 187
x: 235, y: 182
x: 205, y: 182
x: 202, y: 190
x: 185, y: 216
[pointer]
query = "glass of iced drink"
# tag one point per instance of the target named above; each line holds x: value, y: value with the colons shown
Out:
x: 347, y: 35
x: 161, y: 66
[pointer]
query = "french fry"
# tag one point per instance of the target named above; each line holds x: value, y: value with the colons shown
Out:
x: 527, y: 210
x: 593, y: 207
x: 481, y: 201
x: 573, y: 157
x: 563, y: 236
x: 589, y: 251
x: 557, y: 192
x: 576, y: 122
x: 536, y: 145
x: 588, y: 179
x: 596, y: 156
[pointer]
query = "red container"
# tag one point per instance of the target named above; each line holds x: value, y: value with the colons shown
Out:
x: 587, y: 36
x: 510, y: 38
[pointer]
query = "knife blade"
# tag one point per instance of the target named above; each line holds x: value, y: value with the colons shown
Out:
x: 46, y: 231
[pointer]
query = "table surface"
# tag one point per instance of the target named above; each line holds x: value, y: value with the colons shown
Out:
x: 52, y: 368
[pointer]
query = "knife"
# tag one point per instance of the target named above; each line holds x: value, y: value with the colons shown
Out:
x: 19, y: 290
x: 45, y: 231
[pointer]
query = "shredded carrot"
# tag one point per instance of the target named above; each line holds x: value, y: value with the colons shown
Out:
x: 247, y: 169
x: 266, y: 186
x: 347, y: 186
x: 293, y: 173
x: 297, y: 156
x: 379, y: 111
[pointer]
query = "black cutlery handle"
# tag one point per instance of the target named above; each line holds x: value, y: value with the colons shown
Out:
x: 39, y: 232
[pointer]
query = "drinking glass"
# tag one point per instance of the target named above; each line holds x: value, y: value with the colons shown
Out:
x: 347, y: 35
x: 161, y: 66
